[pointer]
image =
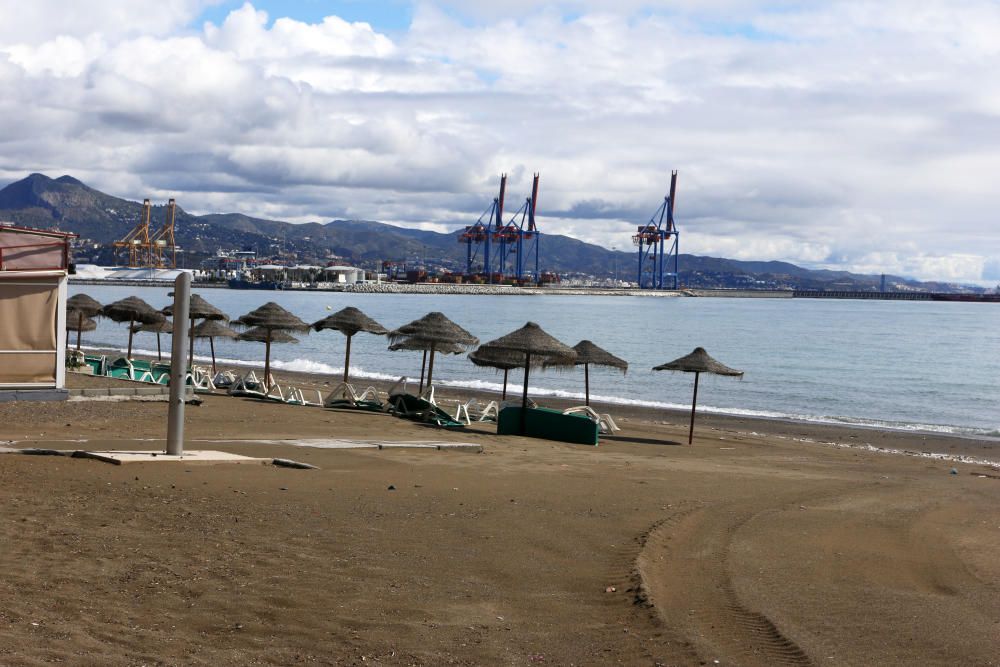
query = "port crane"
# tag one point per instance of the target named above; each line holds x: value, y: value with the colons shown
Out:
x: 518, y: 240
x: 149, y: 250
x: 163, y: 240
x: 478, y: 237
x: 658, y: 244
x: 136, y: 242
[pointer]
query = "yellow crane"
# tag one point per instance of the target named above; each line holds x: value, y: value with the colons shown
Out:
x: 163, y: 241
x: 137, y: 240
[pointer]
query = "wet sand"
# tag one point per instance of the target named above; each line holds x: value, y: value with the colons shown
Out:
x: 750, y: 547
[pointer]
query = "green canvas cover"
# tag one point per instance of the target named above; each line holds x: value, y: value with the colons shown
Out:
x: 548, y: 424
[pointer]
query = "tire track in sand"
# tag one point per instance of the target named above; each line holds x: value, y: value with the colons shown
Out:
x: 682, y: 573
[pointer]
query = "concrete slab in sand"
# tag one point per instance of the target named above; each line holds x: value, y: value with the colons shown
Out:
x: 189, y: 457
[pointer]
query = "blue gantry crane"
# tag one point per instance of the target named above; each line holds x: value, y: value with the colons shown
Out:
x: 505, y: 248
x: 477, y: 237
x: 658, y: 245
x: 517, y: 242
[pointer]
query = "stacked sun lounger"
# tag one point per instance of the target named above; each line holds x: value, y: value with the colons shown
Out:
x: 548, y: 424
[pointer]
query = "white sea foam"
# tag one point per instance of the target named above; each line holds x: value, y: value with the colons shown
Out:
x: 301, y: 365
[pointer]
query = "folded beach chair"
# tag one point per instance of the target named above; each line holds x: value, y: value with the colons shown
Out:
x: 201, y: 379
x: 119, y: 368
x: 160, y: 373
x: 224, y: 379
x: 419, y: 409
x: 471, y: 411
x: 98, y: 363
x: 603, y: 419
x: 548, y: 424
x: 296, y: 396
x: 247, y: 385
x: 346, y: 396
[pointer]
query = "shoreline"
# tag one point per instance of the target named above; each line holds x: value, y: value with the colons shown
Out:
x: 859, y: 436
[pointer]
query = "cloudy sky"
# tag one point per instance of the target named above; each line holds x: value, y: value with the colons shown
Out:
x: 844, y: 134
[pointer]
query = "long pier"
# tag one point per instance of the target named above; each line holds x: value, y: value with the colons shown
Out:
x: 441, y: 288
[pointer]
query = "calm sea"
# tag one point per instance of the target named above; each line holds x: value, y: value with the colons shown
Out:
x: 894, y: 364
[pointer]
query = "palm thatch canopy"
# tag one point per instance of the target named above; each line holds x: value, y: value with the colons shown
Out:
x: 199, y: 309
x: 214, y: 329
x: 588, y: 353
x: 132, y: 309
x: 504, y: 360
x: 265, y: 335
x: 165, y: 326
x: 350, y: 321
x: 272, y: 316
x: 699, y: 361
x: 81, y: 303
x: 532, y: 340
x: 430, y: 332
x: 82, y: 323
x: 433, y: 328
x: 417, y: 344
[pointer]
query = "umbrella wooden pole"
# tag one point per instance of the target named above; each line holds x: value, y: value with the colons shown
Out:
x: 694, y: 402
x: 430, y: 367
x: 347, y: 358
x: 423, y: 367
x: 211, y: 344
x: 159, y: 352
x: 191, y: 343
x: 79, y: 328
x: 503, y: 396
x: 524, y: 396
x: 267, y: 362
x: 586, y: 384
x: 128, y: 355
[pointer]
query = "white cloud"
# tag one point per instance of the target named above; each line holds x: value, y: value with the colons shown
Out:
x: 841, y: 134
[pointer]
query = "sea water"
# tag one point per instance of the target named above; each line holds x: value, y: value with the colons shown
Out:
x: 928, y: 366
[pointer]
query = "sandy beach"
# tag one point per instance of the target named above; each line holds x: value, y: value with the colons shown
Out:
x: 764, y: 543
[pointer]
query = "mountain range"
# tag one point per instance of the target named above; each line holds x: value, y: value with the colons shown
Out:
x: 67, y: 204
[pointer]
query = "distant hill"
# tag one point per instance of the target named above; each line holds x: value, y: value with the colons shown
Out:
x: 66, y: 203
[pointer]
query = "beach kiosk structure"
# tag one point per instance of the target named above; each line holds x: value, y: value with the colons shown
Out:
x: 34, y: 269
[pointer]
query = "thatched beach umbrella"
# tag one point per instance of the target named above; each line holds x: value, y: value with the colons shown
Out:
x: 538, y: 348
x: 416, y: 344
x: 131, y: 309
x: 697, y: 362
x: 76, y: 321
x: 430, y: 332
x: 166, y: 326
x: 350, y: 321
x: 199, y: 309
x: 501, y: 360
x: 271, y: 320
x: 212, y: 329
x: 79, y: 309
x: 588, y: 354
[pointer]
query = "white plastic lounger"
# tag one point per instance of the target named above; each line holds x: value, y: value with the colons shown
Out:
x: 603, y: 420
x: 248, y: 385
x: 345, y: 395
x: 224, y: 379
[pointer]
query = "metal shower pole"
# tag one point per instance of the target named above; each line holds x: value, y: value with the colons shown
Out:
x: 178, y: 364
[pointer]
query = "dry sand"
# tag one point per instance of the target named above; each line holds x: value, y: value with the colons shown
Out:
x: 749, y: 548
